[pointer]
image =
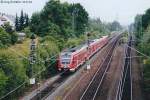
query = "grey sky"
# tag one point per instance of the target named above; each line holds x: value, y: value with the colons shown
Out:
x: 107, y: 10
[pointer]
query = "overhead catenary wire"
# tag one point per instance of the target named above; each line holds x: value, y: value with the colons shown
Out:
x: 139, y: 52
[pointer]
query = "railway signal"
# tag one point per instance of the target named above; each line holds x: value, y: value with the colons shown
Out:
x: 88, y: 66
x: 32, y: 58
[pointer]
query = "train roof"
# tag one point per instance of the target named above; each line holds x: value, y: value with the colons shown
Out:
x: 75, y: 48
x: 84, y: 45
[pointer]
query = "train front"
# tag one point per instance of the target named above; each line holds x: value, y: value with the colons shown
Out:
x: 64, y: 61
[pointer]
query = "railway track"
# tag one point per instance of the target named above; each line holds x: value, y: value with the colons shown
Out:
x: 124, y: 91
x: 41, y: 95
x: 90, y: 92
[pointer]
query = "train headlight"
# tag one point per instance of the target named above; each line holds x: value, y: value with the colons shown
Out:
x: 65, y: 66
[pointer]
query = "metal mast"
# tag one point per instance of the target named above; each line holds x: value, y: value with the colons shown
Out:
x: 32, y: 58
x: 88, y: 50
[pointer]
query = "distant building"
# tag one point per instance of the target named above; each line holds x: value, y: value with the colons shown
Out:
x: 21, y: 36
x: 7, y: 18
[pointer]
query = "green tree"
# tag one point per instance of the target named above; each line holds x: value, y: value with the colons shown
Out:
x: 35, y: 23
x: 5, y: 38
x: 3, y: 82
x: 26, y: 24
x: 14, y: 38
x: 56, y: 19
x: 115, y: 26
x: 54, y: 13
x: 21, y: 21
x: 138, y: 26
x: 8, y: 28
x: 12, y: 34
x: 17, y: 23
x: 81, y: 18
x: 146, y: 19
x: 27, y: 31
x: 97, y: 26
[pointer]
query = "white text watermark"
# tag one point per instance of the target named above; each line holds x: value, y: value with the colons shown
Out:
x: 14, y: 1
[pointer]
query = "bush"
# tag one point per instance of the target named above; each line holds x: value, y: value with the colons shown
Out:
x: 12, y: 71
x: 5, y: 38
x: 47, y: 48
x: 147, y: 76
x: 3, y: 82
x: 14, y: 38
x: 27, y: 32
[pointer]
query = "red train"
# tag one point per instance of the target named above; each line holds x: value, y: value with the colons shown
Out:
x: 72, y: 58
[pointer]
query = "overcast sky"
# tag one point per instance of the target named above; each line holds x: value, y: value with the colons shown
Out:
x: 108, y: 10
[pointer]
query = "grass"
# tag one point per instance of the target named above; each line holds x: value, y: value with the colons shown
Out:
x: 21, y: 48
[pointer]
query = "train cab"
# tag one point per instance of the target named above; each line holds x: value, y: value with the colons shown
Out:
x: 64, y: 61
x: 72, y: 58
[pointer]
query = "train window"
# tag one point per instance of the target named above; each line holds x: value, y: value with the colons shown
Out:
x: 65, y: 58
x: 65, y: 61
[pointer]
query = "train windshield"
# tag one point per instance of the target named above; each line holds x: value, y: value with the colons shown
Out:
x: 65, y: 58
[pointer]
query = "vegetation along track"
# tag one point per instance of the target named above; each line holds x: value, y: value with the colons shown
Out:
x: 93, y: 87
